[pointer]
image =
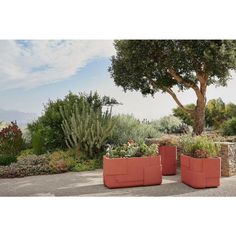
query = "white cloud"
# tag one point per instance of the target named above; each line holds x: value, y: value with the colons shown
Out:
x: 33, y: 63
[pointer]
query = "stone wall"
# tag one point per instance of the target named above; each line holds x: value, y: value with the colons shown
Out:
x: 228, y: 158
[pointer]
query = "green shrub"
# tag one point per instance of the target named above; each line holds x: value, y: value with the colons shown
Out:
x: 199, y: 146
x: 11, y: 141
x: 38, y: 142
x: 132, y: 149
x: 61, y: 161
x: 168, y: 124
x: 87, y: 165
x: 229, y: 127
x: 87, y: 129
x: 50, y: 122
x: 215, y: 114
x: 6, y: 160
x: 128, y: 127
x: 25, y: 153
x: 26, y: 166
x: 183, y: 115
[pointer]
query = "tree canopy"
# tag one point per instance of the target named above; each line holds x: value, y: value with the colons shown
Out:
x: 150, y: 66
x: 140, y: 64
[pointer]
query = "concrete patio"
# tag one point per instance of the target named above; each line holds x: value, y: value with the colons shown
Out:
x: 90, y: 183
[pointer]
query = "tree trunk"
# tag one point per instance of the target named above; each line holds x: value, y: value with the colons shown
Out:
x: 198, y: 114
x: 199, y: 117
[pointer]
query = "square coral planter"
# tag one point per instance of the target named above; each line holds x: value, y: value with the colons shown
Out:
x: 200, y: 172
x: 168, y: 159
x: 129, y: 172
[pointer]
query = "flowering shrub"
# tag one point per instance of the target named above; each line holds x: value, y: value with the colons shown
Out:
x: 56, y: 162
x: 29, y: 165
x: 61, y: 161
x: 11, y: 141
x: 132, y: 149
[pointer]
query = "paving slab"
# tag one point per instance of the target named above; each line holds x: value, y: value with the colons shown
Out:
x: 90, y: 183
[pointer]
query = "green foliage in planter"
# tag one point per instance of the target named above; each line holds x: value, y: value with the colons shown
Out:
x: 62, y: 161
x: 6, y: 160
x: 49, y: 124
x: 229, y: 127
x: 87, y: 129
x: 87, y: 165
x: 11, y: 141
x: 167, y: 140
x: 199, y: 146
x: 132, y: 149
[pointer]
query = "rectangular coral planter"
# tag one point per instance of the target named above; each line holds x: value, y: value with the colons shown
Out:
x: 200, y: 172
x: 129, y: 172
x: 168, y: 159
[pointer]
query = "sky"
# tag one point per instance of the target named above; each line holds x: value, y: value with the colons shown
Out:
x: 32, y: 72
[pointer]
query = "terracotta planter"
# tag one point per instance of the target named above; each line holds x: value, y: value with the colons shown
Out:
x: 168, y: 159
x: 134, y: 171
x: 200, y: 173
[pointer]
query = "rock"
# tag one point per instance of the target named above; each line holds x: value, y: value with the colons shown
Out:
x: 228, y: 158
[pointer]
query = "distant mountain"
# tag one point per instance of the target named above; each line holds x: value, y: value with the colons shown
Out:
x: 22, y: 118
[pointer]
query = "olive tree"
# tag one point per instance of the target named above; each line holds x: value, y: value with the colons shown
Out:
x: 151, y: 66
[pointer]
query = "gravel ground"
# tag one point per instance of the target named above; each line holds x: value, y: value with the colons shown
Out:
x: 90, y: 184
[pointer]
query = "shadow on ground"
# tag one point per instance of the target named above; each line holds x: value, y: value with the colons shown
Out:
x: 91, y: 184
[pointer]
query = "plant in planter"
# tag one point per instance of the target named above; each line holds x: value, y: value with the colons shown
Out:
x: 132, y: 164
x: 200, y: 166
x: 168, y: 152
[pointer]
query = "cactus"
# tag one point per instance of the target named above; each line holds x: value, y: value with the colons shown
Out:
x: 86, y: 129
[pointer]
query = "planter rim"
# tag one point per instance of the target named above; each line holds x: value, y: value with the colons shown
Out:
x: 121, y: 158
x: 168, y: 146
x: 211, y: 158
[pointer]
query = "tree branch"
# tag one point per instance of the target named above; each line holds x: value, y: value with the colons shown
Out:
x: 173, y: 95
x: 171, y: 92
x: 188, y: 84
